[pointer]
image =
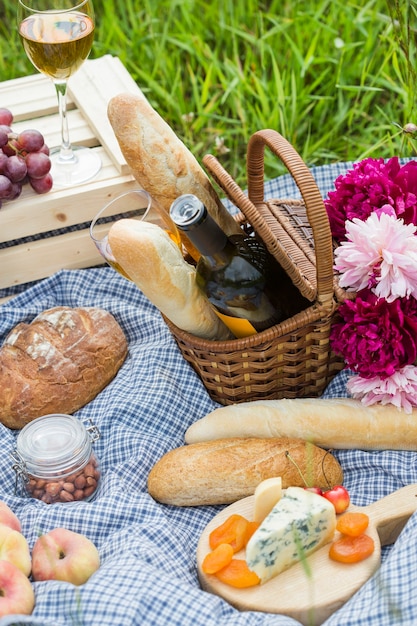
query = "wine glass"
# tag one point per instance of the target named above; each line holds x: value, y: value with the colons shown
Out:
x: 135, y: 204
x: 57, y: 36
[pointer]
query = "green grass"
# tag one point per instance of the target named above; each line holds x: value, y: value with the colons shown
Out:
x: 335, y: 77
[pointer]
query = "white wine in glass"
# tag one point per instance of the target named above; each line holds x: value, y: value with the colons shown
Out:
x: 57, y: 36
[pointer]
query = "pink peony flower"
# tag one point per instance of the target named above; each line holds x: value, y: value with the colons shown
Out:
x: 380, y: 254
x: 376, y: 337
x: 399, y: 389
x: 369, y: 186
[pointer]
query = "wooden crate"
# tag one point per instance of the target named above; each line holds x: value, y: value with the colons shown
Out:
x: 33, y: 103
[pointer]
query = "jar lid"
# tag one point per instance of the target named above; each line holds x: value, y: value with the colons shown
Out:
x: 53, y: 443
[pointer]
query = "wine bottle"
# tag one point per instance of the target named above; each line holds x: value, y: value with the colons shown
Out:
x: 236, y: 272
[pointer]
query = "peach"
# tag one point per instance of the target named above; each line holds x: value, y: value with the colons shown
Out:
x: 14, y: 548
x: 8, y: 518
x: 16, y: 592
x: 63, y: 554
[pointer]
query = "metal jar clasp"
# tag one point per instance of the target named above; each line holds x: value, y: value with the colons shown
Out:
x: 19, y: 467
x: 92, y: 430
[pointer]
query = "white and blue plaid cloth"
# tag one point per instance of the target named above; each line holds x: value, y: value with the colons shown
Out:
x: 148, y: 573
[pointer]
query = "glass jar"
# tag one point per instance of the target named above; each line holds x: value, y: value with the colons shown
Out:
x: 54, y: 459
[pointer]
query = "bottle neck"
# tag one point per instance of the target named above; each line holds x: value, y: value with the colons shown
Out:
x: 208, y: 238
x: 191, y: 216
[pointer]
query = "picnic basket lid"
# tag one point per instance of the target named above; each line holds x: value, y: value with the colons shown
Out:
x: 296, y: 232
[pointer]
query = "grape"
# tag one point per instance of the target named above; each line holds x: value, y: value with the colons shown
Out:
x: 15, y: 191
x: 30, y: 140
x: 6, y: 128
x: 24, y: 159
x: 3, y: 160
x: 4, y: 138
x: 15, y: 168
x: 41, y: 185
x: 6, y: 187
x: 10, y: 148
x: 44, y: 149
x: 6, y: 117
x: 38, y: 164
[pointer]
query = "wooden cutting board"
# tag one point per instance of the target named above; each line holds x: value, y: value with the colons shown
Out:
x: 312, y: 597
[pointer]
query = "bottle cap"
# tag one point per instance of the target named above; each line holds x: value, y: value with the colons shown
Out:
x: 186, y: 211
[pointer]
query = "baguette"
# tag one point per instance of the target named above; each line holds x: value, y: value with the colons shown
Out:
x: 155, y: 264
x: 58, y: 363
x: 226, y: 470
x: 159, y: 160
x: 339, y: 423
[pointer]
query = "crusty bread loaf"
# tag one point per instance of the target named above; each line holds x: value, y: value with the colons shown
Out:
x: 159, y: 160
x: 226, y: 470
x: 339, y: 423
x: 58, y: 363
x: 155, y: 264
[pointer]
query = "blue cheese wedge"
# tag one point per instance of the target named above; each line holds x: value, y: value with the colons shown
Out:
x: 300, y: 523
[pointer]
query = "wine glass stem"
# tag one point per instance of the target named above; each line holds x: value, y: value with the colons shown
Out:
x: 66, y: 154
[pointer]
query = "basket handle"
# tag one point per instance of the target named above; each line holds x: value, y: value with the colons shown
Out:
x: 316, y: 212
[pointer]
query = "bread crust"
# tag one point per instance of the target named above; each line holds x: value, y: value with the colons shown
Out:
x: 58, y: 363
x: 159, y: 160
x: 156, y: 265
x: 337, y: 423
x: 225, y: 470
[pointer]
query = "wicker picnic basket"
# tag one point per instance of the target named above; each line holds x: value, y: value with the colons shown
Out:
x: 292, y: 359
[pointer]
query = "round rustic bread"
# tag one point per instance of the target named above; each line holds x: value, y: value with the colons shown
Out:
x: 58, y: 363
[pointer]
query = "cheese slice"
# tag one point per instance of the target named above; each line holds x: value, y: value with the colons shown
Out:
x: 266, y: 496
x: 299, y: 524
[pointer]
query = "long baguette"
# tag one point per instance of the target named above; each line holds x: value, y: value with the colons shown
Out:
x: 223, y: 471
x: 339, y: 423
x: 155, y: 264
x: 159, y: 160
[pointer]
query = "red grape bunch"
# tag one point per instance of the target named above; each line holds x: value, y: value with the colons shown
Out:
x: 24, y: 158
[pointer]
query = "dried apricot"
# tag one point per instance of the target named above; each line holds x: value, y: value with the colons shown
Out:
x: 250, y: 529
x: 217, y: 558
x: 352, y: 524
x: 351, y: 549
x: 238, y: 574
x: 232, y: 531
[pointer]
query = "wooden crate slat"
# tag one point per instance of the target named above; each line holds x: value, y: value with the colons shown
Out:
x: 91, y: 88
x: 33, y: 214
x: 30, y: 97
x: 49, y: 125
x: 40, y: 259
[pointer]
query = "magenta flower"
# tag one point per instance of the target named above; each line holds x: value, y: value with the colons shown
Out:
x: 371, y: 185
x: 376, y: 337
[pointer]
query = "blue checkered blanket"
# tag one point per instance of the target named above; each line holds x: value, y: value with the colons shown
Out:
x: 148, y: 570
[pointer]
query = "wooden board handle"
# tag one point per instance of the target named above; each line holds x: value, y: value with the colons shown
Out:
x: 390, y: 514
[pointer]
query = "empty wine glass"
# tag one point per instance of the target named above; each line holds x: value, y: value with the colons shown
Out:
x: 57, y: 36
x: 135, y: 204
